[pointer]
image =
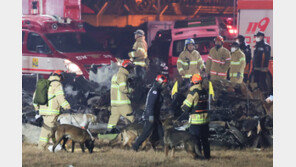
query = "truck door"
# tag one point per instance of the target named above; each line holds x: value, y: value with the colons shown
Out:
x: 36, y: 55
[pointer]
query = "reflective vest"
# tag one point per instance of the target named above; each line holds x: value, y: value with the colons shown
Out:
x: 199, y: 113
x: 119, y: 89
x: 197, y: 103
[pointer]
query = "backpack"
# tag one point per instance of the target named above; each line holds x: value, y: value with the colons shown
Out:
x: 41, y: 93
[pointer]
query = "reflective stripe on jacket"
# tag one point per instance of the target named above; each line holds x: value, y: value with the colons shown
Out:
x: 190, y: 103
x: 218, y: 62
x: 139, y: 54
x: 119, y: 89
x: 56, y: 98
x: 189, y: 63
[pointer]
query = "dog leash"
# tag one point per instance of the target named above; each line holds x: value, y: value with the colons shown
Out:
x: 75, y: 120
x: 181, y: 116
x: 83, y: 127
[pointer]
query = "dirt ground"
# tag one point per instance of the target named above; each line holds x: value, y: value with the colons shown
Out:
x: 105, y: 156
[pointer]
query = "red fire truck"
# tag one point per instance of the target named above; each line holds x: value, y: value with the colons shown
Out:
x: 254, y: 16
x: 51, y: 42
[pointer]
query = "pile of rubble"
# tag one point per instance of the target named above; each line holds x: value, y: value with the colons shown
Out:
x: 239, y: 115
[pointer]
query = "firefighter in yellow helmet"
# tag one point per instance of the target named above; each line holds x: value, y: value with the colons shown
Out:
x: 237, y: 64
x: 196, y: 104
x: 51, y: 110
x: 139, y: 54
x: 120, y: 102
x: 218, y: 61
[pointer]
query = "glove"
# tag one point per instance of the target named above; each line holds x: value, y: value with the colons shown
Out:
x: 151, y: 119
x: 238, y: 75
x: 130, y: 90
x: 37, y: 116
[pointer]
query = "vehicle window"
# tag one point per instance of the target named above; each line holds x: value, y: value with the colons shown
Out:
x: 204, y: 45
x: 73, y: 42
x: 35, y: 43
x: 178, y: 47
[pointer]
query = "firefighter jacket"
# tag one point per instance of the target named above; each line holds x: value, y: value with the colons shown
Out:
x: 261, y: 55
x: 56, y: 98
x: 196, y: 103
x: 139, y: 53
x: 119, y: 89
x: 189, y: 63
x: 153, y: 102
x: 218, y: 62
x: 237, y: 66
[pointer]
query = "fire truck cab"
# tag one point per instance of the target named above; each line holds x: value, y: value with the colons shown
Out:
x: 52, y: 43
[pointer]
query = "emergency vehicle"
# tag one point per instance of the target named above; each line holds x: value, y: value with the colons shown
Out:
x: 254, y: 16
x: 202, y: 30
x: 52, y: 43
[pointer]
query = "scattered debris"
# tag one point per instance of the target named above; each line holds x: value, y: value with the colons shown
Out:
x: 240, y: 117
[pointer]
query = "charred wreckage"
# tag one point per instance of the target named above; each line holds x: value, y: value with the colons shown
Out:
x: 240, y: 117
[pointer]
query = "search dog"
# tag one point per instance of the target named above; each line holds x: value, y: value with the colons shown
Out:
x: 76, y: 134
x: 174, y: 138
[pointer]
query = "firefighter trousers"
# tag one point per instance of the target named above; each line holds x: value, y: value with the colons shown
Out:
x: 46, y: 130
x: 201, y: 133
x: 150, y: 129
x: 117, y: 111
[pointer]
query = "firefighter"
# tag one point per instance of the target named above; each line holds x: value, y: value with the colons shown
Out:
x: 120, y: 102
x: 152, y: 112
x: 245, y: 48
x: 189, y: 61
x: 261, y: 58
x: 218, y: 61
x: 237, y: 64
x: 139, y: 54
x: 196, y: 104
x: 50, y: 112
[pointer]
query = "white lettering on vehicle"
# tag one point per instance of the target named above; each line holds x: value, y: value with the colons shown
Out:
x: 81, y: 57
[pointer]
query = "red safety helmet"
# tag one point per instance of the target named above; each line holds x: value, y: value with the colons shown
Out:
x: 57, y: 72
x: 126, y: 63
x: 219, y: 38
x: 196, y: 78
x: 161, y: 78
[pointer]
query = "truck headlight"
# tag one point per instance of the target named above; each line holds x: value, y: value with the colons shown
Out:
x: 72, y: 67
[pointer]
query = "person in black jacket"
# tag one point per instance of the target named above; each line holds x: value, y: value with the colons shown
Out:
x: 261, y: 61
x: 247, y: 51
x: 152, y: 112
